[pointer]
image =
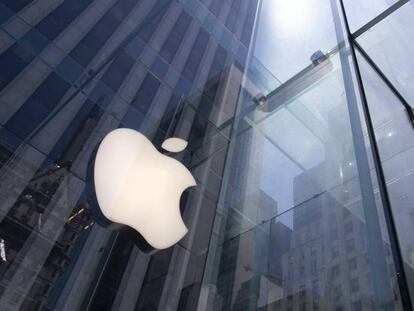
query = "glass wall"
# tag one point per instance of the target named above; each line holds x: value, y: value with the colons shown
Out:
x: 301, y: 223
x: 287, y: 212
x: 393, y: 123
x: 298, y: 227
x: 72, y: 71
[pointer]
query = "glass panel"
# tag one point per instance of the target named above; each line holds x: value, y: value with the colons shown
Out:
x: 395, y: 138
x: 294, y: 224
x: 314, y: 257
x: 279, y: 218
x: 289, y: 32
x: 389, y: 44
x: 310, y: 131
x: 59, y: 252
x: 361, y: 12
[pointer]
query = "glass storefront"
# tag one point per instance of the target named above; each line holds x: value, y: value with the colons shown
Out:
x: 300, y: 137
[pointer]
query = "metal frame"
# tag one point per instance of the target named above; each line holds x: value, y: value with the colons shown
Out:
x: 383, y: 191
x: 374, y: 66
x: 353, y: 40
x: 379, y: 18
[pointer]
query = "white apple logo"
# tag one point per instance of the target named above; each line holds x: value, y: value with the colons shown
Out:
x: 138, y: 186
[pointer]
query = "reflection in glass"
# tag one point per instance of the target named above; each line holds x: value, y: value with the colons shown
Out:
x: 395, y: 137
x: 279, y: 219
x: 389, y: 44
x: 294, y: 231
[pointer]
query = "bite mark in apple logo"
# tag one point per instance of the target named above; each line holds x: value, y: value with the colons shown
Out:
x: 140, y: 187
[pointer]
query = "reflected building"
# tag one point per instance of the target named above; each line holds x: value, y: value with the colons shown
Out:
x: 328, y: 266
x: 74, y: 71
x: 279, y: 219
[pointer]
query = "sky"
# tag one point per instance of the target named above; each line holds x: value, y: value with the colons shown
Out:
x: 290, y: 31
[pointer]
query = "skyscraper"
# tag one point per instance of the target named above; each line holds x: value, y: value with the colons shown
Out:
x: 298, y: 123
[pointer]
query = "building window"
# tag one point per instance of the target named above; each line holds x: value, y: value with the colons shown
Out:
x: 315, y: 286
x: 248, y: 24
x: 350, y: 245
x: 233, y: 15
x: 118, y: 70
x: 336, y: 271
x: 290, y: 271
x: 315, y: 303
x: 302, y: 293
x: 149, y: 28
x: 313, y: 251
x: 146, y: 93
x: 354, y: 285
x: 193, y: 61
x: 333, y: 234
x: 348, y: 227
x: 357, y: 306
x: 352, y: 264
x: 314, y: 266
x: 302, y: 270
x: 346, y: 213
x: 218, y: 64
x: 175, y: 37
x: 338, y: 291
x: 332, y: 220
x: 168, y: 115
x: 335, y: 251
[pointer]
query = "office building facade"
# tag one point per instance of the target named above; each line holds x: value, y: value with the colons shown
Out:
x: 298, y: 120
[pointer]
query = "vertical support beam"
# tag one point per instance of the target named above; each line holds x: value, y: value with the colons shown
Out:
x: 382, y: 288
x: 383, y: 295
